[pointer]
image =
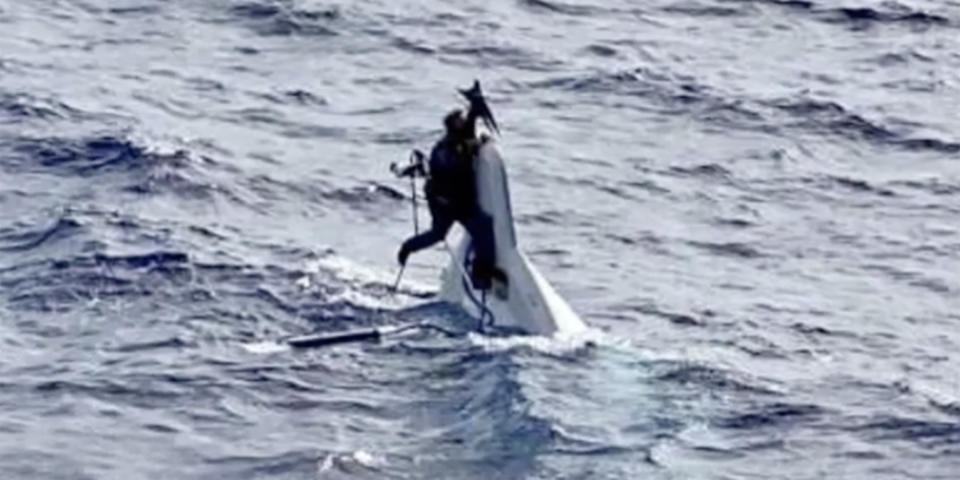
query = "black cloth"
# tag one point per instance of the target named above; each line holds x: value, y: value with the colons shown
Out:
x: 452, y: 178
x: 451, y: 196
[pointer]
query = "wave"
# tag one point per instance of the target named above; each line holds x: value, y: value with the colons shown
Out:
x: 709, y: 377
x: 772, y: 416
x: 935, y: 186
x: 85, y: 156
x: 930, y: 144
x: 857, y: 16
x: 704, y: 170
x: 926, y: 433
x: 558, y: 7
x: 674, y: 317
x: 857, y: 185
x: 143, y: 346
x: 31, y: 237
x: 280, y: 18
x: 597, y: 10
x: 132, y: 10
x: 694, y: 9
x: 641, y: 82
x: 278, y: 121
x: 864, y: 17
x: 734, y: 222
x: 833, y: 118
x: 287, y: 464
x: 235, y: 296
x: 671, y: 93
x: 648, y: 185
x: 362, y: 197
x: 728, y: 249
x: 682, y: 94
x: 601, y: 50
x: 293, y: 97
x: 116, y: 161
x: 135, y: 10
x: 603, y: 186
x: 143, y: 390
x: 412, y: 46
x: 819, y: 331
x: 58, y: 284
x: 492, y: 54
x: 904, y: 57
x: 19, y: 107
x: 478, y: 412
x: 158, y: 259
x: 552, y: 217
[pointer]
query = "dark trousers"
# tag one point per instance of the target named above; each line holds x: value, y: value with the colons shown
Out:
x: 477, y: 223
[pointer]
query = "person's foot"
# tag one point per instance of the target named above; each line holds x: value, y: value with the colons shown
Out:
x: 482, y: 283
x: 480, y: 277
x: 500, y: 276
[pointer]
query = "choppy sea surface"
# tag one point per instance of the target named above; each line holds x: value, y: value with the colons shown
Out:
x: 755, y: 204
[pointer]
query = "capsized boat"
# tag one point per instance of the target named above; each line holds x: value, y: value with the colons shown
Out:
x: 525, y: 301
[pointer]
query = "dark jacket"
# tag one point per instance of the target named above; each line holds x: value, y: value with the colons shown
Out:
x: 452, y: 180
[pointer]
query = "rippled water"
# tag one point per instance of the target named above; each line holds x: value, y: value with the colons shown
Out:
x: 754, y: 204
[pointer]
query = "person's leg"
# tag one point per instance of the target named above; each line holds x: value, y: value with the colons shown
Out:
x: 441, y: 223
x: 480, y: 227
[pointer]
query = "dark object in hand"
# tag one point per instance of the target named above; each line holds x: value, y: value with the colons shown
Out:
x: 478, y: 106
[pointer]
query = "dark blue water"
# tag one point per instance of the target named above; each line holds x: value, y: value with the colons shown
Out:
x: 754, y: 204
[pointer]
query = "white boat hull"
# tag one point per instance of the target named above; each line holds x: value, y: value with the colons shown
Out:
x: 527, y: 302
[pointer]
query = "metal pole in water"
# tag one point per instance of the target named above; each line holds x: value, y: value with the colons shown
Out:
x: 416, y: 227
x: 396, y: 283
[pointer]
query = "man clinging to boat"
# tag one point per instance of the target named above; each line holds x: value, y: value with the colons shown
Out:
x: 451, y: 189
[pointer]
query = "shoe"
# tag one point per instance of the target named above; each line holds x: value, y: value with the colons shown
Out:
x: 480, y: 277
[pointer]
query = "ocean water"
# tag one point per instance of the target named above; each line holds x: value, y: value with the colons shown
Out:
x: 753, y: 203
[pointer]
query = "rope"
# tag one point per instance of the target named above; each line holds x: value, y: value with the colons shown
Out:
x: 468, y: 289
